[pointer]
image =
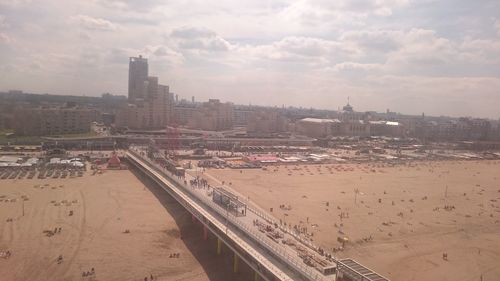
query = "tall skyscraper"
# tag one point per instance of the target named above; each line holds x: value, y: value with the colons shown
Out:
x: 150, y: 103
x: 137, y: 75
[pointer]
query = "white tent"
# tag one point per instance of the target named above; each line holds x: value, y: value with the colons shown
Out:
x: 9, y: 159
x: 32, y: 160
x: 77, y: 164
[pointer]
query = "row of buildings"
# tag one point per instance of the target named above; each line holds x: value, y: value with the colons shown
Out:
x: 446, y: 129
x: 39, y: 115
x: 323, y: 128
x: 151, y: 106
x: 260, y: 121
x: 209, y: 116
x: 350, y: 123
x: 54, y: 119
x: 43, y: 121
x: 217, y: 116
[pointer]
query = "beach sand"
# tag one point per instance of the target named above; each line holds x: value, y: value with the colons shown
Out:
x: 104, y: 207
x: 409, y: 226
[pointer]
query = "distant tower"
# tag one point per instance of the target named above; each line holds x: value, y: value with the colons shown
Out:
x: 192, y: 99
x: 176, y: 98
x: 348, y: 107
x: 137, y: 75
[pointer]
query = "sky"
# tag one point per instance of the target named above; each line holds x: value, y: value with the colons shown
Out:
x: 408, y: 56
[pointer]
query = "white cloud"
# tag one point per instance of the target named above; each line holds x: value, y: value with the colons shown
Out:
x: 139, y: 5
x: 192, y: 33
x: 112, y: 4
x: 5, y: 39
x: 92, y: 23
x: 3, y: 22
x: 377, y: 7
x: 190, y: 38
x: 489, y: 48
x: 14, y: 3
x: 356, y: 66
x: 305, y: 52
x: 421, y: 50
x: 384, y: 11
x: 374, y: 41
x: 164, y: 54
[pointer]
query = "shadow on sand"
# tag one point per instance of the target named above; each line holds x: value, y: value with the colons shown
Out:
x: 217, y: 267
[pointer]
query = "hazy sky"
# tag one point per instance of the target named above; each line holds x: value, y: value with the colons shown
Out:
x: 411, y: 56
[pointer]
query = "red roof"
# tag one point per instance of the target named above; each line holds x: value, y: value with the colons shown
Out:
x: 114, y: 160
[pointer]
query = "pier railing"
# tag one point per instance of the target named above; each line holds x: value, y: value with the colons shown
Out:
x: 276, y: 249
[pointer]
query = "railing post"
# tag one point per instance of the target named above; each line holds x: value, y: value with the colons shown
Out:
x: 240, y: 226
x: 235, y: 263
x: 205, y: 232
x: 219, y: 246
x: 256, y: 276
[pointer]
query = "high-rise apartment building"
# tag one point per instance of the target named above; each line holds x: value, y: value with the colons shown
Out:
x: 212, y: 116
x: 52, y: 121
x: 183, y: 112
x: 137, y: 75
x: 150, y: 104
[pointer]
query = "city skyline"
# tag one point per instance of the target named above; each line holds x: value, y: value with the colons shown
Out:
x: 302, y: 54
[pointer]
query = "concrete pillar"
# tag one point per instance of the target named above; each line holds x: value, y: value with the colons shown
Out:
x: 205, y: 232
x: 219, y: 246
x: 236, y: 262
x: 256, y: 276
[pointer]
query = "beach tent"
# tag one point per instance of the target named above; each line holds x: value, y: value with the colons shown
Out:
x: 114, y: 162
x: 9, y: 159
x: 77, y: 164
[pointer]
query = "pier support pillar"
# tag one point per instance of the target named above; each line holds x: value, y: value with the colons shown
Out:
x: 205, y: 232
x: 256, y: 276
x: 236, y: 263
x: 219, y: 246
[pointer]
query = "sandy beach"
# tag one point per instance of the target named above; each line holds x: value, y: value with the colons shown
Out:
x: 104, y: 208
x: 400, y: 220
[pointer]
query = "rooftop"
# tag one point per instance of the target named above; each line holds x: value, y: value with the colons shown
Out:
x: 360, y: 272
x: 317, y: 120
